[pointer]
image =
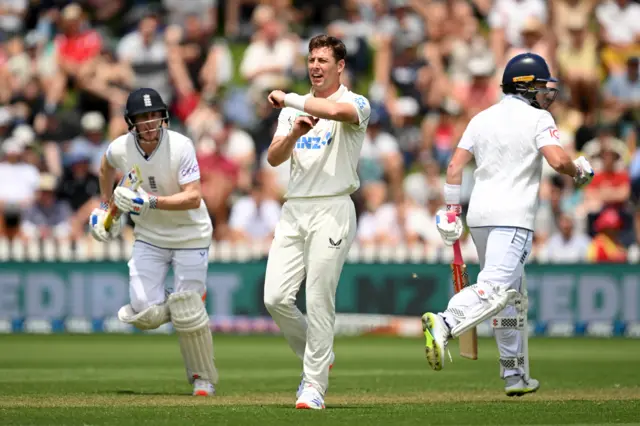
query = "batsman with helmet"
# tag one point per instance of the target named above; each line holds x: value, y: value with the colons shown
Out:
x: 172, y: 229
x: 508, y: 142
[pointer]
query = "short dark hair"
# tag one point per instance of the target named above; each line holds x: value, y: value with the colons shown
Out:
x: 335, y: 44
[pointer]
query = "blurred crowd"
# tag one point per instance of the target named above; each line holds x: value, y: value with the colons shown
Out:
x: 427, y: 67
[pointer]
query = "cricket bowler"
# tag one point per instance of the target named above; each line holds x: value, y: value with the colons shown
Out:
x: 172, y: 228
x: 508, y: 142
x: 322, y: 133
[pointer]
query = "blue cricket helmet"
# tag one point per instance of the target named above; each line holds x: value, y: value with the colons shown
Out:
x: 522, y: 72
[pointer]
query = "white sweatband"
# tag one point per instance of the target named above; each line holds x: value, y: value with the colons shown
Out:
x: 451, y: 194
x: 293, y: 100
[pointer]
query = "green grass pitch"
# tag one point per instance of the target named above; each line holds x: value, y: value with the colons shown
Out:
x: 139, y: 380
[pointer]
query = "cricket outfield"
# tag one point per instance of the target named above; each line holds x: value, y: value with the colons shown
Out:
x: 139, y: 380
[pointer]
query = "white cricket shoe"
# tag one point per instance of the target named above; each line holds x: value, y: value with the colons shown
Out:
x: 518, y: 386
x: 301, y: 385
x: 310, y: 399
x: 203, y: 388
x: 436, y: 334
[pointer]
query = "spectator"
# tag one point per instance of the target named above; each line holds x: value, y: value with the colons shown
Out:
x: 619, y: 22
x: 534, y: 39
x: 411, y: 80
x: 48, y: 217
x: 237, y: 146
x: 276, y: 179
x: 79, y: 187
x: 606, y: 246
x: 379, y: 223
x: 270, y: 56
x: 180, y: 11
x: 565, y: 15
x: 481, y: 92
x: 145, y: 50
x: 91, y: 142
x: 442, y: 131
x: 507, y: 18
x: 578, y: 64
x: 380, y: 156
x: 611, y: 185
x: 428, y: 180
x: 107, y: 83
x: 566, y: 245
x: 254, y: 217
x: 12, y: 17
x: 17, y: 196
x: 468, y: 44
x: 76, y: 46
x: 550, y: 210
x: 622, y: 94
x: 197, y: 64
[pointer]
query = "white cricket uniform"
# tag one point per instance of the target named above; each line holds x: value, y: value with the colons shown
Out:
x: 505, y: 141
x: 316, y: 229
x: 180, y: 239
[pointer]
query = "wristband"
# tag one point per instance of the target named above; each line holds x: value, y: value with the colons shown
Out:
x: 456, y: 208
x: 153, y: 202
x: 293, y: 100
x: 451, y: 194
x: 104, y: 206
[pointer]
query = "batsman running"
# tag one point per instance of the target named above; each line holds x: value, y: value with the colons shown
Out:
x: 172, y: 229
x: 322, y: 133
x: 508, y: 142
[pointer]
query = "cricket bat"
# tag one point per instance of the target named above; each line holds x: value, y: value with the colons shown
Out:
x: 469, y: 340
x: 132, y: 180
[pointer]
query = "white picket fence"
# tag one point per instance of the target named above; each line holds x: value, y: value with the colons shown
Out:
x: 87, y: 250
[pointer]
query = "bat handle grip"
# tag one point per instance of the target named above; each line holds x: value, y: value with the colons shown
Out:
x: 451, y: 216
x: 457, y: 252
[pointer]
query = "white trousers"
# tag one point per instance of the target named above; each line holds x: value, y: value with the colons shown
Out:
x: 312, y: 240
x: 503, y: 253
x: 148, y: 270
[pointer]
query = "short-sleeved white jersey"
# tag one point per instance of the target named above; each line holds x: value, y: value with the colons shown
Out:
x: 505, y: 140
x: 173, y: 163
x: 324, y: 161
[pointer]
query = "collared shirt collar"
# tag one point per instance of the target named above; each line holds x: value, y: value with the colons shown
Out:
x: 337, y: 94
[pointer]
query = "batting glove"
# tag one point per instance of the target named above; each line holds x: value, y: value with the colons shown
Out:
x: 585, y: 172
x: 96, y: 223
x: 133, y: 202
x: 449, y: 231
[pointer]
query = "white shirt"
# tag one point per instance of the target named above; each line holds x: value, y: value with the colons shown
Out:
x: 324, y: 162
x: 149, y: 63
x: 258, y: 221
x: 559, y: 250
x: 19, y: 182
x: 259, y: 55
x: 621, y: 25
x: 505, y: 140
x: 511, y: 15
x: 173, y: 163
x: 12, y: 21
x: 377, y: 148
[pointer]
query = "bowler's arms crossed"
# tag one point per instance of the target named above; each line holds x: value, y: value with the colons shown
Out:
x: 548, y: 143
x: 355, y: 110
x: 190, y: 194
x: 283, y: 141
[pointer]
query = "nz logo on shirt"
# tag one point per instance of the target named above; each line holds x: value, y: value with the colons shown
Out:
x: 314, y: 142
x: 152, y: 183
x: 361, y: 102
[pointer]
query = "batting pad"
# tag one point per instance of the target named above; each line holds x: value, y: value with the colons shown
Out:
x: 149, y: 319
x: 191, y: 323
